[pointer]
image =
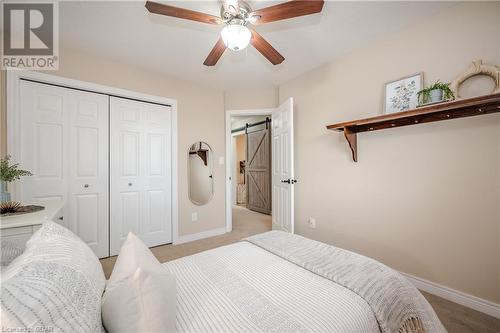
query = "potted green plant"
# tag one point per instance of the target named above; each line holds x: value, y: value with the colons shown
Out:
x: 438, y: 92
x: 9, y: 173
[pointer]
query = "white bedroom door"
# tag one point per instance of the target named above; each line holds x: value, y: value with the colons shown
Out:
x: 282, y: 167
x: 64, y: 142
x: 141, y: 182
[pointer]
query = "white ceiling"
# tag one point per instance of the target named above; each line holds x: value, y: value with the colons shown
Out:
x: 125, y: 31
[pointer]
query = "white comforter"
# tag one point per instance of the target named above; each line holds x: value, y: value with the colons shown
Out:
x: 243, y: 288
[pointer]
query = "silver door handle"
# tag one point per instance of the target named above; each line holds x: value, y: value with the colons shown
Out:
x: 129, y: 184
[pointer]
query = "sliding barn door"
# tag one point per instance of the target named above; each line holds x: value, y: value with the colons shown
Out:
x: 282, y: 166
x: 141, y: 166
x: 64, y: 142
x: 258, y: 170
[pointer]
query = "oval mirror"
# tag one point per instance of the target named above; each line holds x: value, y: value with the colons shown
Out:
x: 200, y: 174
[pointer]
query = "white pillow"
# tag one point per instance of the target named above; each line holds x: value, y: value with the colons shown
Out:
x: 133, y: 254
x: 56, y: 284
x: 140, y: 295
x: 10, y: 251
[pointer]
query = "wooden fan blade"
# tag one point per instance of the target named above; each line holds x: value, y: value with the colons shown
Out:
x: 286, y: 10
x: 216, y: 53
x: 266, y: 49
x: 162, y: 9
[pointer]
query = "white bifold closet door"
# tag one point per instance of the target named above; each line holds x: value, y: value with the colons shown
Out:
x: 64, y: 142
x: 141, y: 172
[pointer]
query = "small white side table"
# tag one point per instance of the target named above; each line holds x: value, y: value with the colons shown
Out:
x: 19, y: 228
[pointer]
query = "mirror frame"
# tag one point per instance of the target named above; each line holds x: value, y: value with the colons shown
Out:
x: 211, y: 168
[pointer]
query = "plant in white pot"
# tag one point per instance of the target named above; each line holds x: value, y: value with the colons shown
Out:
x: 9, y: 173
x: 438, y: 92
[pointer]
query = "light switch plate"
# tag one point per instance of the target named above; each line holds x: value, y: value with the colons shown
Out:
x: 194, y: 216
x: 312, y: 223
x: 221, y: 160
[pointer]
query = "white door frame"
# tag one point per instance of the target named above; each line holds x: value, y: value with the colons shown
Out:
x: 229, y: 157
x: 14, y: 78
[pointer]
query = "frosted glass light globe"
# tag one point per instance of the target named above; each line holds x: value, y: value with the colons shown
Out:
x: 236, y: 36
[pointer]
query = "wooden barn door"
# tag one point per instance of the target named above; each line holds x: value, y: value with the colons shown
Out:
x: 258, y: 170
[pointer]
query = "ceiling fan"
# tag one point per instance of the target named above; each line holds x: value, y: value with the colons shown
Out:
x: 236, y: 15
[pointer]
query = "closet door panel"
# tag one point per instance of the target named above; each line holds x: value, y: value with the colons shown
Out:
x: 141, y: 172
x: 88, y: 177
x: 87, y: 217
x: 64, y: 142
x: 129, y: 159
x: 156, y: 211
x: 125, y: 172
x: 157, y: 226
x: 128, y: 216
x: 43, y: 145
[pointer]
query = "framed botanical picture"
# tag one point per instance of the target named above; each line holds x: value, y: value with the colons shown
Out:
x: 401, y: 95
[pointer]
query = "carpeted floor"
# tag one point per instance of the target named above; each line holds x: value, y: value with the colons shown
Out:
x: 245, y: 223
x: 456, y: 318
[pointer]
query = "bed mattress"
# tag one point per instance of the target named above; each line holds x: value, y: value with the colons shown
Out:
x: 244, y: 288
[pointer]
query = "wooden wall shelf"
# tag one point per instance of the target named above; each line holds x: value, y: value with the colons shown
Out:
x: 437, y: 112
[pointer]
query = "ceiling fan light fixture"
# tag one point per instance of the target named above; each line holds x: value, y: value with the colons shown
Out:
x: 236, y: 36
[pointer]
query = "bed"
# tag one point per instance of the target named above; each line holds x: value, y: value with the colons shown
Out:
x: 271, y: 282
x: 244, y: 288
x: 279, y: 282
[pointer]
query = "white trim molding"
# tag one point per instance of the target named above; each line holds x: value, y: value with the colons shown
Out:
x: 200, y: 235
x: 459, y: 297
x: 14, y: 78
x: 175, y: 177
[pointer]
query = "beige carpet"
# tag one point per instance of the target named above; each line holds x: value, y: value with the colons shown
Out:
x: 245, y: 223
x: 456, y: 318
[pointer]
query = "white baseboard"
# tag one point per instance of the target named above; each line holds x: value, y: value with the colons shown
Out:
x: 470, y: 301
x: 200, y: 235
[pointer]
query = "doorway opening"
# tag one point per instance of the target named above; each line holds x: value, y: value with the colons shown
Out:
x: 260, y: 170
x: 249, y: 205
x: 251, y: 173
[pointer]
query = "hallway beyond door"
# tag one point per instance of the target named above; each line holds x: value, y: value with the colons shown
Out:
x: 246, y: 221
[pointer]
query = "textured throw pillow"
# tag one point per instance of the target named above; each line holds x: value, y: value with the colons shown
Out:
x: 55, y: 285
x: 140, y: 295
x: 10, y: 251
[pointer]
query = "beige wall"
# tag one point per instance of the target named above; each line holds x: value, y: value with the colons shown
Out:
x: 200, y: 118
x: 422, y: 199
x: 251, y: 98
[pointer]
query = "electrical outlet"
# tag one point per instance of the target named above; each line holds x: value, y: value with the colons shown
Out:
x: 194, y: 216
x: 312, y: 223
